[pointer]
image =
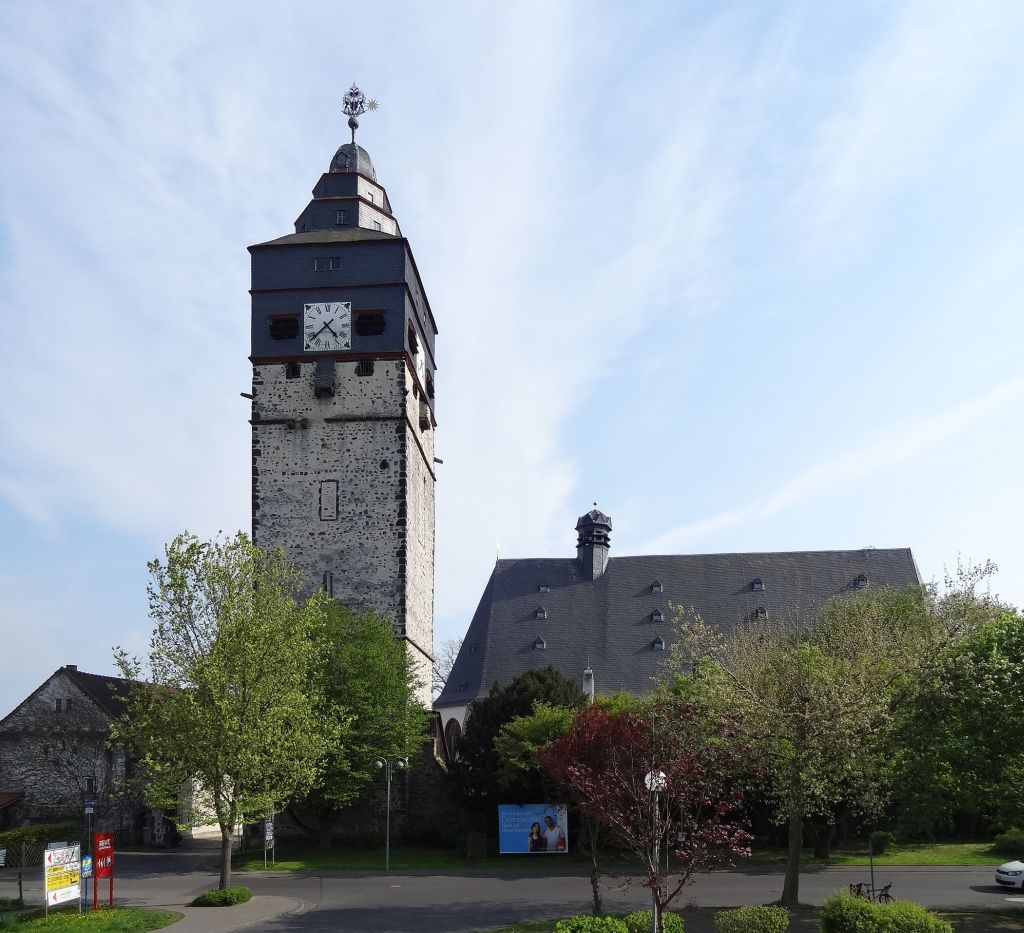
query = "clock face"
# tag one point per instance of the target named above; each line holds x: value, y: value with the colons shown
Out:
x: 327, y: 325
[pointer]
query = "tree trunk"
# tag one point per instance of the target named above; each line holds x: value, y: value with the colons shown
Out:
x: 225, y: 857
x: 595, y: 873
x: 324, y: 834
x: 791, y: 886
x: 824, y: 837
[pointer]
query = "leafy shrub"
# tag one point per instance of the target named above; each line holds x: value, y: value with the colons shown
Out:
x: 752, y: 920
x: 223, y: 897
x: 640, y: 922
x: 882, y: 841
x: 40, y: 833
x: 587, y: 924
x: 844, y: 913
x: 1010, y: 842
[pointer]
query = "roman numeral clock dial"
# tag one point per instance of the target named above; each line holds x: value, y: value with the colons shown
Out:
x: 327, y: 326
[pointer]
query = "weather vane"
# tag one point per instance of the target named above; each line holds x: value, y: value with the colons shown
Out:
x: 355, y: 105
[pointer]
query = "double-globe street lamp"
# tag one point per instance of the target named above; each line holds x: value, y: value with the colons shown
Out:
x: 389, y: 767
x: 655, y: 782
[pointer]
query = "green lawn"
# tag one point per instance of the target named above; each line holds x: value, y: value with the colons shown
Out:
x: 935, y: 853
x: 411, y: 858
x: 69, y: 920
x: 403, y: 858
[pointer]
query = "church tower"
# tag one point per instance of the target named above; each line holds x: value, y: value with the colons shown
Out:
x: 343, y: 402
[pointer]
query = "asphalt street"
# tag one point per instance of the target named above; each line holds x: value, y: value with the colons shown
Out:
x: 462, y: 902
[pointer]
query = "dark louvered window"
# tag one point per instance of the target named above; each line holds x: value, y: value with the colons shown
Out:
x: 284, y: 328
x: 364, y: 368
x: 370, y: 323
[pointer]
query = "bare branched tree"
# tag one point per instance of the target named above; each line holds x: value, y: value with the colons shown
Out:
x: 444, y: 658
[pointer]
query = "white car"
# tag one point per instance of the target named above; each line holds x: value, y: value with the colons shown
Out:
x: 1011, y: 874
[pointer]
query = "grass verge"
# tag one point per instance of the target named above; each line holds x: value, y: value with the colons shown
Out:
x: 69, y: 920
x: 928, y: 854
x: 422, y: 858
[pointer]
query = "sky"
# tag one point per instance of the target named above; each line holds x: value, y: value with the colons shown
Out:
x: 747, y: 275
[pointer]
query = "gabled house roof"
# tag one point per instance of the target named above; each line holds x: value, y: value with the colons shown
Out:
x: 619, y: 623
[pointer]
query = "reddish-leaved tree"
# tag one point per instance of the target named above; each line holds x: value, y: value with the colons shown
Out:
x: 602, y: 765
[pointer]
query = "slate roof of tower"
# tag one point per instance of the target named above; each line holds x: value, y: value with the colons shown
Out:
x: 337, y: 235
x: 608, y: 622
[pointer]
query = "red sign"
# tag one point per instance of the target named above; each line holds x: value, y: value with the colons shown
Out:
x: 103, y: 855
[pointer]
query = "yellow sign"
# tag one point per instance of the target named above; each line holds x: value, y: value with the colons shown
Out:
x: 61, y: 876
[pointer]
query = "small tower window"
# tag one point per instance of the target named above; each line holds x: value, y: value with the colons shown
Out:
x: 758, y: 585
x: 540, y: 613
x: 861, y: 581
x: 364, y: 368
x: 370, y: 323
x: 327, y: 264
x: 339, y: 217
x: 376, y: 225
x: 760, y: 613
x: 539, y: 644
x: 430, y: 386
x: 414, y: 344
x: 543, y: 588
x: 462, y: 687
x: 284, y: 327
x: 57, y: 705
x: 656, y: 587
x: 658, y: 644
x: 657, y: 616
x: 292, y: 370
x: 329, y: 583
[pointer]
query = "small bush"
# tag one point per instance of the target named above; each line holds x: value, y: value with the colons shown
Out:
x: 640, y: 922
x: 772, y: 919
x: 1010, y: 842
x: 223, y: 897
x: 882, y: 841
x: 844, y: 913
x: 41, y: 833
x: 587, y: 924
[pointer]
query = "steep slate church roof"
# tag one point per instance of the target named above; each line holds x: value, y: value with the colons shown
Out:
x: 613, y: 615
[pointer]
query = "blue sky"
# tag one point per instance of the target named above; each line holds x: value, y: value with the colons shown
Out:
x: 748, y: 275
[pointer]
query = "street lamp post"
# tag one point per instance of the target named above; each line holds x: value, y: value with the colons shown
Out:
x: 655, y: 782
x: 389, y: 767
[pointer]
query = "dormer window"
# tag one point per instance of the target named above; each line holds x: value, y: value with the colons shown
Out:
x: 543, y: 588
x: 760, y: 613
x: 658, y: 644
x: 540, y: 613
x: 861, y: 581
x: 657, y: 616
x: 656, y: 587
x: 539, y: 644
x: 758, y: 585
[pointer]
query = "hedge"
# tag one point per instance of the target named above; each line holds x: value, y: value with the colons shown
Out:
x: 223, y: 897
x: 772, y: 919
x: 844, y: 913
x: 640, y: 922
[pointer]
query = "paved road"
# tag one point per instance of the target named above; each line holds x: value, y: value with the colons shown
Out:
x: 450, y: 902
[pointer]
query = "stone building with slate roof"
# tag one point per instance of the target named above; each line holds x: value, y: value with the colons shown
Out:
x: 606, y: 621
x: 54, y: 754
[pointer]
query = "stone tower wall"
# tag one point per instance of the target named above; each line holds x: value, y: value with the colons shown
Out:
x: 344, y: 484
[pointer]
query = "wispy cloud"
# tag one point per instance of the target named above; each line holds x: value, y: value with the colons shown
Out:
x: 900, y: 444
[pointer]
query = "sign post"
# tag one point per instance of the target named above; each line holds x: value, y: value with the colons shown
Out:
x: 61, y: 876
x: 86, y: 875
x: 268, y: 839
x: 103, y: 866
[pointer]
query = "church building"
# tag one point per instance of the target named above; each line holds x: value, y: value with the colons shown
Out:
x: 606, y: 621
x: 343, y: 401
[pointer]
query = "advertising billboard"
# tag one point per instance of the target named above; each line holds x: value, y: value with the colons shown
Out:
x: 533, y: 828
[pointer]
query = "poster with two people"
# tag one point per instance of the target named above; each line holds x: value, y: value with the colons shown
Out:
x: 532, y: 827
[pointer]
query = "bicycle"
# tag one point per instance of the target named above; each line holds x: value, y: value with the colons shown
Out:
x: 883, y: 896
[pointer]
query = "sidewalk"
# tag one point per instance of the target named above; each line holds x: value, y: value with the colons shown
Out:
x: 224, y: 919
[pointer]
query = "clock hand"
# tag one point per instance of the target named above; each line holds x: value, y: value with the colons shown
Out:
x: 327, y: 324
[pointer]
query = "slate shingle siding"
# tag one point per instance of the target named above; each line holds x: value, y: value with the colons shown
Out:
x: 608, y: 622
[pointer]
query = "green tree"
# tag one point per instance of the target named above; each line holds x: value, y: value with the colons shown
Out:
x: 959, y: 748
x: 479, y: 762
x: 518, y: 740
x: 816, y: 697
x: 233, y: 711
x: 368, y: 685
